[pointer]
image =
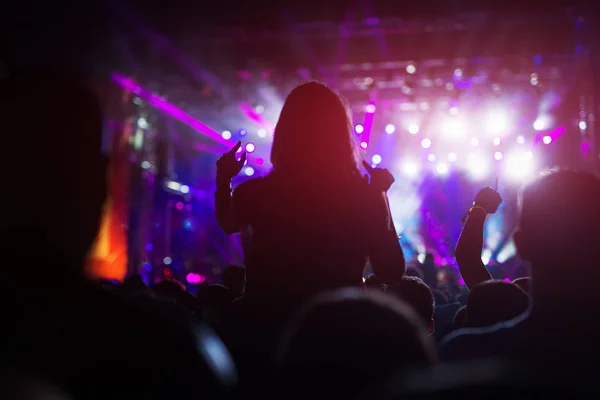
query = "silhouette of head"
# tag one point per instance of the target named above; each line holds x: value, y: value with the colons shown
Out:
x: 51, y: 142
x: 350, y: 334
x: 418, y: 295
x: 234, y: 278
x: 559, y: 229
x: 492, y: 302
x: 524, y: 283
x: 313, y: 137
x: 460, y: 318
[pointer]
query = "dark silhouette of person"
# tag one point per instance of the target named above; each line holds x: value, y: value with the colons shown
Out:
x: 310, y: 223
x: 234, y: 278
x: 59, y: 327
x: 558, y: 233
x: 418, y: 295
x: 493, y: 301
x: 344, y: 340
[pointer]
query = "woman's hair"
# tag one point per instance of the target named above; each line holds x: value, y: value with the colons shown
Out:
x: 313, y: 137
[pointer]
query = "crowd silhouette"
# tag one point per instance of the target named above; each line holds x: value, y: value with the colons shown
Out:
x: 300, y: 319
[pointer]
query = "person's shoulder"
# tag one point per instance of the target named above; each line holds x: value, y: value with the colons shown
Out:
x: 474, y: 342
x: 250, y: 186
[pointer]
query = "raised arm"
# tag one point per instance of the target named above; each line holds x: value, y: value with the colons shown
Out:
x: 227, y: 167
x: 385, y: 252
x: 470, y: 243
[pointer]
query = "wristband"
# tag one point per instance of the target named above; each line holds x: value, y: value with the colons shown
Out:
x: 464, y: 218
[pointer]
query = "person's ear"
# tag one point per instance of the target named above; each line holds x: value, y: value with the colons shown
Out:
x: 521, y: 246
x: 431, y: 327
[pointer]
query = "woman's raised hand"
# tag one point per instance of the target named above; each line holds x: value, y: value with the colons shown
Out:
x: 381, y: 178
x: 228, y: 165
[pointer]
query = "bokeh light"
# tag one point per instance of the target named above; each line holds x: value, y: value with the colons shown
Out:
x: 521, y: 139
x: 242, y: 132
x: 519, y: 165
x: 478, y: 166
x: 410, y: 168
x: 167, y: 260
x: 359, y: 128
x: 442, y: 169
x: 185, y: 189
x: 250, y: 147
x: 582, y: 125
x: 497, y: 141
x: 363, y: 145
x: 261, y: 133
x: 498, y: 155
x: 497, y: 122
x: 411, y: 69
x: 426, y: 143
x: 452, y: 157
x: 370, y: 108
x: 413, y: 129
x: 376, y: 159
x: 226, y: 135
x: 390, y: 128
x: 431, y: 157
x: 547, y: 139
x: 249, y: 171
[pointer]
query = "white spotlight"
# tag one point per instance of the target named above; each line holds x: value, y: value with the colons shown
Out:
x: 226, y: 135
x: 426, y: 143
x: 497, y: 122
x: 376, y: 159
x: 261, y: 133
x: 582, y: 125
x: 410, y: 168
x: 142, y: 123
x: 442, y: 169
x: 413, y: 129
x: 547, y: 139
x: 390, y: 128
x: 478, y: 166
x: 185, y: 189
x: 411, y: 69
x: 519, y: 165
x: 249, y: 171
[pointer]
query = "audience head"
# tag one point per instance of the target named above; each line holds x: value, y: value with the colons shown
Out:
x: 52, y: 128
x: 372, y: 282
x: 350, y: 334
x: 492, y: 302
x: 524, y: 283
x: 460, y: 318
x: 314, y: 120
x: 559, y: 228
x: 234, y: 277
x: 418, y: 295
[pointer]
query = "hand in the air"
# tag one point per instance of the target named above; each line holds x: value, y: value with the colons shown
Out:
x: 381, y: 178
x: 228, y: 165
x: 488, y: 199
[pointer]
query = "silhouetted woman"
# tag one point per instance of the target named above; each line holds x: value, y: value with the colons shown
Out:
x: 312, y: 222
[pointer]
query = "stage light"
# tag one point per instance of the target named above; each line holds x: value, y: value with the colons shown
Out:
x: 541, y: 123
x: 250, y: 147
x: 474, y: 141
x: 226, y: 135
x: 142, y: 123
x: 242, y: 132
x: 174, y: 185
x: 259, y: 161
x: 249, y: 171
x: 411, y: 69
x: 478, y: 166
x: 187, y: 224
x: 413, y: 129
x: 458, y: 73
x: 498, y: 155
x: 167, y: 260
x: 426, y: 143
x: 454, y: 127
x: 497, y: 122
x: 453, y: 111
x: 519, y: 165
x: 185, y: 189
x: 376, y: 159
x: 497, y: 141
x: 410, y: 168
x: 261, y: 133
x: 390, y: 128
x: 359, y: 128
x: 259, y: 109
x: 547, y: 139
x: 452, y: 157
x: 582, y: 125
x: 442, y: 169
x: 363, y: 145
x: 521, y: 139
x: 370, y: 108
x: 431, y: 157
x: 179, y: 205
x: 146, y: 164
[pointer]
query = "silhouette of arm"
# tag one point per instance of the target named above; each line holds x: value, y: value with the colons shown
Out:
x: 385, y: 252
x: 224, y: 208
x: 468, y: 250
